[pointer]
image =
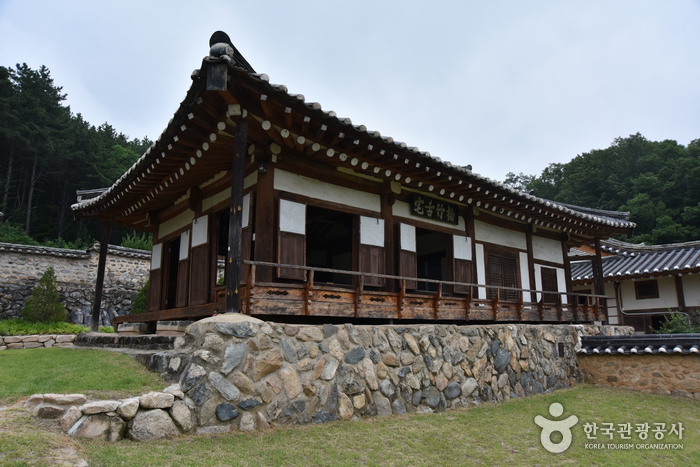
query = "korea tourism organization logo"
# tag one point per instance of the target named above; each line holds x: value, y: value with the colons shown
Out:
x: 556, y: 435
x: 549, y: 427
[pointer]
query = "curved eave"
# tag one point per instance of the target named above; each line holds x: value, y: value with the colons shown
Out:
x: 197, y: 143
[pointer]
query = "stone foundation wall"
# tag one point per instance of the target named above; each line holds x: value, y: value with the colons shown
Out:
x: 247, y: 374
x: 22, y: 266
x: 675, y: 374
x: 234, y: 372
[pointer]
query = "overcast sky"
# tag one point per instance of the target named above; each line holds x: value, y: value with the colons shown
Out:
x: 506, y: 86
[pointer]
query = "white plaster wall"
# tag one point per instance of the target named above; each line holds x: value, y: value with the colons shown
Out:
x: 691, y: 290
x: 178, y: 222
x: 371, y: 231
x: 546, y: 249
x: 184, y: 245
x: 462, y: 247
x: 246, y: 211
x: 408, y: 237
x: 484, y: 232
x: 293, y: 183
x: 200, y: 231
x: 480, y: 269
x: 402, y: 209
x: 667, y: 296
x: 225, y: 195
x: 292, y: 217
x: 524, y: 274
x: 156, y: 254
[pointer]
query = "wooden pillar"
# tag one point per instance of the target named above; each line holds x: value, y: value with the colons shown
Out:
x: 530, y: 263
x: 598, y: 277
x: 265, y: 229
x: 680, y: 294
x: 572, y: 301
x: 387, y: 200
x: 99, y: 283
x: 233, y: 258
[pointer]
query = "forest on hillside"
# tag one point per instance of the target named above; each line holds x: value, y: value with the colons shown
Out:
x: 47, y: 153
x: 657, y: 182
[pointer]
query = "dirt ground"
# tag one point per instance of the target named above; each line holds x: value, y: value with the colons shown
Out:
x: 42, y: 441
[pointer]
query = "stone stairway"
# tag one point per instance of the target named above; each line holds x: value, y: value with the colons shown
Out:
x: 119, y: 341
x: 156, y: 352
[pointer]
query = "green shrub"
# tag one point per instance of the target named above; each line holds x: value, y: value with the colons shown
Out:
x: 45, y: 306
x: 140, y: 304
x: 138, y: 241
x: 676, y: 323
x: 22, y: 327
x: 10, y: 233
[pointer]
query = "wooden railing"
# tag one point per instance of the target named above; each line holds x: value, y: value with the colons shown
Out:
x: 396, y: 301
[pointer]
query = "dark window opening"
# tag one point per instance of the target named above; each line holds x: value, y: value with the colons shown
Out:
x: 584, y: 300
x: 431, y: 253
x: 173, y: 252
x: 329, y: 241
x: 549, y: 284
x: 503, y: 272
x: 646, y: 289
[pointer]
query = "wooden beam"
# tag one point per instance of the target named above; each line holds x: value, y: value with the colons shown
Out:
x: 598, y: 278
x: 679, y: 292
x: 99, y: 282
x: 265, y: 208
x: 233, y: 260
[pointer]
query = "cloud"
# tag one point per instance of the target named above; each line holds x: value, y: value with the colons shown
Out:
x: 504, y: 86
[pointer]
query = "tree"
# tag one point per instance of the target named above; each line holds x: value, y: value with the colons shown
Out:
x: 45, y: 306
x: 655, y: 181
x: 47, y: 153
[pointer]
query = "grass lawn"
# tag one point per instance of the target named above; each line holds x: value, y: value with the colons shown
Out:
x: 491, y: 434
x: 59, y: 370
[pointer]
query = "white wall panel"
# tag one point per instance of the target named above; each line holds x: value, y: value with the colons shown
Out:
x: 156, y: 255
x: 200, y: 231
x: 371, y: 231
x: 480, y: 270
x: 484, y: 232
x: 292, y: 217
x: 408, y: 237
x: 293, y: 183
x: 185, y: 245
x: 462, y: 247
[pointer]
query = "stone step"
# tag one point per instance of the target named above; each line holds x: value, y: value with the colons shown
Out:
x: 117, y: 341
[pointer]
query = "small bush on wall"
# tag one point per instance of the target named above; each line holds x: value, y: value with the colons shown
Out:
x: 140, y: 304
x: 138, y: 241
x: 677, y: 323
x: 45, y: 306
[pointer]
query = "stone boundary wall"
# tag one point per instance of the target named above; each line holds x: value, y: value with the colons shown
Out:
x: 22, y: 266
x: 674, y: 374
x: 235, y: 372
x: 36, y: 341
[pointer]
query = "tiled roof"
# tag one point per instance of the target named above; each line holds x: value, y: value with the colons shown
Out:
x: 641, y: 344
x: 484, y: 193
x: 638, y: 260
x: 68, y: 253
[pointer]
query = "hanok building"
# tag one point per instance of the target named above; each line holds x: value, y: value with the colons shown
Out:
x: 309, y: 215
x: 645, y: 282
